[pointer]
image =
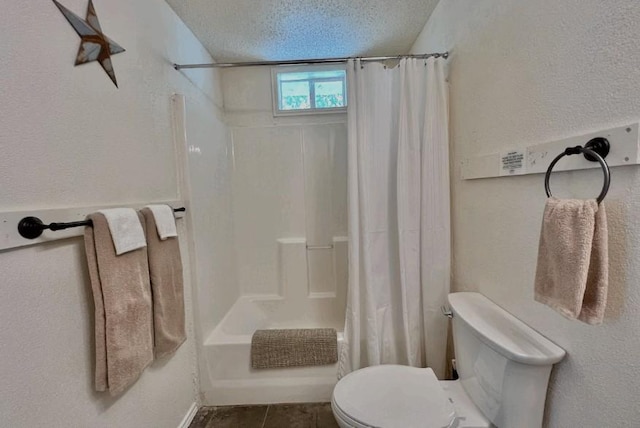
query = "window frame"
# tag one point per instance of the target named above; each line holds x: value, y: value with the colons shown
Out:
x: 275, y: 88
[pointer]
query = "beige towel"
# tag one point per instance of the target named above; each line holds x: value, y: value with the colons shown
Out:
x: 165, y: 268
x: 573, y: 261
x: 123, y: 319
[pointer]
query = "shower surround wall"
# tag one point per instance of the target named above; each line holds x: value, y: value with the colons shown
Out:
x: 289, y: 192
x: 289, y: 183
x: 529, y: 72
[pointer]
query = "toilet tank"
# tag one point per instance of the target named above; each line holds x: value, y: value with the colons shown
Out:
x: 503, y: 364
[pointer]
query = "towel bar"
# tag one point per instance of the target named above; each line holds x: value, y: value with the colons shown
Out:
x: 32, y: 227
x: 594, y: 151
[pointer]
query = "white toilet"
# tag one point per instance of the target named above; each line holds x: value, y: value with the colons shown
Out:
x: 503, y: 364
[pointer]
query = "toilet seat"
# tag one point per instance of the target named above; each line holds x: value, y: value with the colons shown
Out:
x: 391, y: 396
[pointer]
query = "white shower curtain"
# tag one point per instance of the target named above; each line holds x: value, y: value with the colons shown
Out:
x: 399, y: 222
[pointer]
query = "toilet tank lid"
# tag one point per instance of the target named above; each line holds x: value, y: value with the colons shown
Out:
x: 503, y: 332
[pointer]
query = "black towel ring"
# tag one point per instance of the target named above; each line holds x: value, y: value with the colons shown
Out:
x: 591, y: 155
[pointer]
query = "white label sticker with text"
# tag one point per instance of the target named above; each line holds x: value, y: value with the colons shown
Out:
x: 513, y: 162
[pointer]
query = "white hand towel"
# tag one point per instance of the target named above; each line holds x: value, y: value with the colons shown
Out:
x: 126, y: 229
x: 165, y: 221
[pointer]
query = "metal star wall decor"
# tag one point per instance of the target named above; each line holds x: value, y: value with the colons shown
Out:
x: 95, y: 46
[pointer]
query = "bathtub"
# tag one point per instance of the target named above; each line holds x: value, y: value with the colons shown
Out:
x: 227, y: 377
x: 310, y: 293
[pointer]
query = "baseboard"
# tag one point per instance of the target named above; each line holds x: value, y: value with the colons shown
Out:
x: 186, y: 421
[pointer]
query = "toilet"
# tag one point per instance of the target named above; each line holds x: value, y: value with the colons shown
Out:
x: 503, y: 367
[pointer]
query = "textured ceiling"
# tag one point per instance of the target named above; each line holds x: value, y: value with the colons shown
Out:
x: 235, y: 30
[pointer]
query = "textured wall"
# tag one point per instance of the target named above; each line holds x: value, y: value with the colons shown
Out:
x: 68, y: 137
x: 530, y: 72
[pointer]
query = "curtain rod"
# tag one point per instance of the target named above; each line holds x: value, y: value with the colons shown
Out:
x: 444, y: 55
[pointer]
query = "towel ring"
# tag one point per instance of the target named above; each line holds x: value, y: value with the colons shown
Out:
x: 592, y: 155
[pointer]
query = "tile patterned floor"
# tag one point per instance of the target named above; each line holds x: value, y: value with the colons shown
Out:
x: 308, y: 415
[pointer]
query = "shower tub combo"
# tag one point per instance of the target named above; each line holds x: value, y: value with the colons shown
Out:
x: 226, y: 374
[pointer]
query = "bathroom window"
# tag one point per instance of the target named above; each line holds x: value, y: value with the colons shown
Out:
x: 309, y: 90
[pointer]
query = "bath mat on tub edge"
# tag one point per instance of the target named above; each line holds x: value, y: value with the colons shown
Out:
x: 293, y: 348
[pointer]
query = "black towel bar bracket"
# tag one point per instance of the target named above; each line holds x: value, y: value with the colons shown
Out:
x: 32, y: 227
x: 596, y: 150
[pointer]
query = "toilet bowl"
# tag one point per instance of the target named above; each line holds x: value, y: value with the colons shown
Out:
x: 504, y: 368
x: 400, y: 396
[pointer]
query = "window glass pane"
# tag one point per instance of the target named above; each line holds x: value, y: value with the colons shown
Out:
x: 295, y: 95
x: 318, y: 88
x: 329, y: 94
